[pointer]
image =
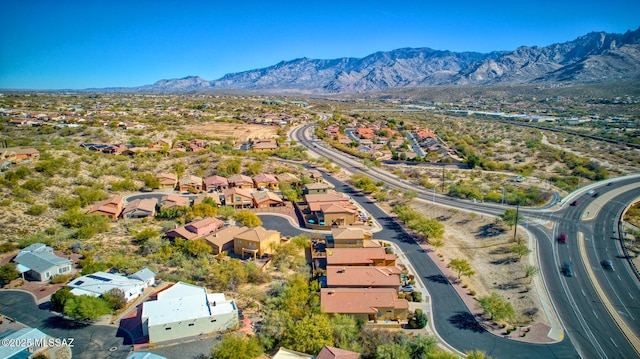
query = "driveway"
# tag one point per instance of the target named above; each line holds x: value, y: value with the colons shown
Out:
x: 90, y: 341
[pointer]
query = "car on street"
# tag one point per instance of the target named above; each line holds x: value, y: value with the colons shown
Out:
x: 607, y: 264
x: 574, y: 203
x: 590, y: 192
x: 407, y: 288
x: 567, y: 270
x: 595, y: 195
x: 562, y: 238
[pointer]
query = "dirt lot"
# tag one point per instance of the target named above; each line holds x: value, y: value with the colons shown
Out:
x: 239, y: 131
x: 485, y: 245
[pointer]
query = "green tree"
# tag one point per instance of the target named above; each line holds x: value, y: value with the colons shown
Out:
x: 60, y: 297
x: 520, y: 250
x: 247, y: 218
x: 145, y: 234
x: 226, y: 212
x: 409, y: 195
x: 509, y: 217
x: 115, y: 298
x: 418, y: 320
x: 309, y: 334
x: 428, y: 227
x: 530, y: 272
x: 421, y: 346
x: 254, y: 168
x: 496, y: 307
x: 393, y: 351
x: 345, y: 333
x: 197, y: 247
x: 8, y: 272
x: 85, y: 307
x: 151, y: 181
x: 234, y: 346
x: 462, y: 267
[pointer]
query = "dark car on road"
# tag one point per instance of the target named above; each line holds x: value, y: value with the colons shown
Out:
x: 607, y: 264
x: 574, y: 203
x: 567, y: 270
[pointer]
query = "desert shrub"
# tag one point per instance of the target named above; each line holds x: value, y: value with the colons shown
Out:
x: 36, y: 210
x: 59, y: 279
x: 64, y: 202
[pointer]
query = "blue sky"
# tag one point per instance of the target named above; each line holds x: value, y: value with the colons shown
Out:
x: 79, y: 44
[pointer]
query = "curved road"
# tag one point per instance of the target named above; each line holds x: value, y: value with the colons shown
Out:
x: 584, y: 316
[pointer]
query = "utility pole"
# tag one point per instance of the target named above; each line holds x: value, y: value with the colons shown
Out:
x: 515, y: 228
x: 443, y: 178
x: 503, y: 195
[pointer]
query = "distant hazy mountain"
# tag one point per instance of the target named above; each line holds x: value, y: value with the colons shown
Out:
x: 594, y: 57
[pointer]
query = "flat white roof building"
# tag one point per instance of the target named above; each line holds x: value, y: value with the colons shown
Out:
x: 101, y: 282
x: 186, y: 310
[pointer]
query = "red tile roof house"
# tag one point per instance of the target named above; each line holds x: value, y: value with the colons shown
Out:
x: 328, y: 352
x: 110, y: 208
x: 363, y: 277
x: 369, y: 304
x: 196, y: 229
x: 167, y: 180
x: 266, y: 199
x: 241, y: 181
x: 140, y: 208
x: 266, y: 181
x: 190, y: 183
x: 237, y: 198
x: 360, y: 257
x: 215, y: 183
x: 365, y: 133
x: 172, y: 200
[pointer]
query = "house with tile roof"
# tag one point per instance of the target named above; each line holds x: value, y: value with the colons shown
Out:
x: 222, y: 239
x: 266, y: 199
x: 185, y: 310
x: 241, y: 181
x: 349, y: 237
x: 237, y: 198
x: 360, y: 257
x: 38, y: 262
x: 110, y: 208
x: 140, y: 208
x: 190, y: 183
x: 268, y: 144
x: 215, y: 183
x: 256, y: 241
x: 369, y: 304
x: 266, y: 181
x: 196, y: 229
x: 363, y: 277
x: 167, y: 180
x: 173, y: 200
x: 328, y: 352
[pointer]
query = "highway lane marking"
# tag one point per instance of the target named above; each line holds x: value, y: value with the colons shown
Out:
x: 614, y: 343
x: 622, y: 325
x: 594, y: 314
x: 583, y: 294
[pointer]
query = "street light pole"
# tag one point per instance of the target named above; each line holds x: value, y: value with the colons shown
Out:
x: 503, y: 195
x: 515, y: 230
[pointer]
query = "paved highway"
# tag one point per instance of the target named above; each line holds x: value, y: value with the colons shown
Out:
x: 592, y: 330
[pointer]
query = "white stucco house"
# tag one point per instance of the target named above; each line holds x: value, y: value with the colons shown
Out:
x: 186, y: 310
x: 101, y: 282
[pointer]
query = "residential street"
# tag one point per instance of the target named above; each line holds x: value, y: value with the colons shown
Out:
x: 90, y: 342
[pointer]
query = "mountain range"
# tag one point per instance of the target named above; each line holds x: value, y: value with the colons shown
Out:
x: 594, y: 57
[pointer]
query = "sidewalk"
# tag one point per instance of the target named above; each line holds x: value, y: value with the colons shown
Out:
x: 537, y: 333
